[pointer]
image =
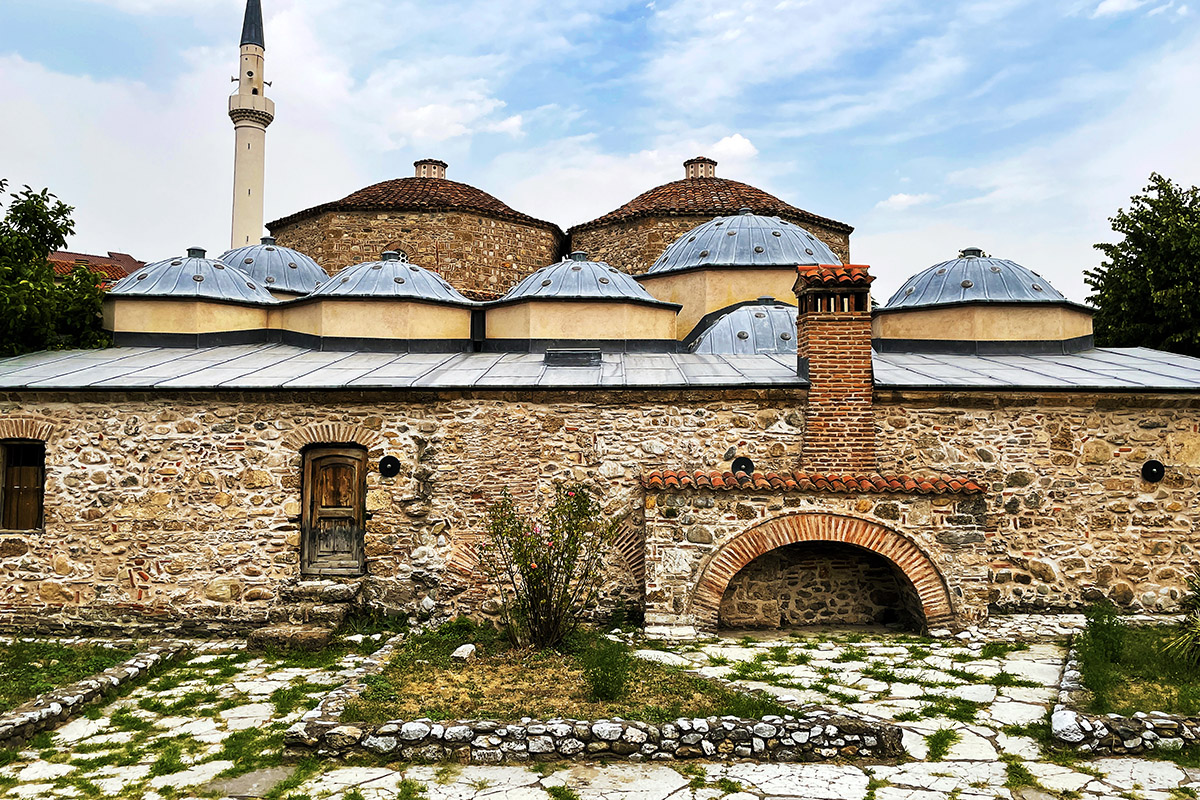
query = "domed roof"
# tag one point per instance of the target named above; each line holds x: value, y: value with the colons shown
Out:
x: 392, y: 277
x: 744, y: 240
x: 279, y: 269
x: 579, y: 279
x: 419, y: 194
x: 766, y: 326
x: 704, y: 194
x: 974, y: 277
x: 193, y: 277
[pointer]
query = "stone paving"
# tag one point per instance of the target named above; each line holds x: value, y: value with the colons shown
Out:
x: 965, y: 706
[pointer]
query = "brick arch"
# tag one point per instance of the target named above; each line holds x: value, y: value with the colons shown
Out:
x: 905, y: 555
x: 26, y: 428
x: 332, y: 433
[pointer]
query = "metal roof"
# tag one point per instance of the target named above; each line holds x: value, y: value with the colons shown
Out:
x: 275, y: 366
x: 279, y: 269
x: 759, y: 328
x: 744, y: 240
x: 579, y: 279
x: 252, y: 25
x: 974, y: 278
x: 393, y: 277
x: 193, y: 277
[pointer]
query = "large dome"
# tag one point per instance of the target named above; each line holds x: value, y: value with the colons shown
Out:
x: 279, y: 269
x: 580, y: 279
x: 193, y: 277
x: 744, y: 240
x: 393, y: 278
x: 974, y: 277
x: 764, y: 327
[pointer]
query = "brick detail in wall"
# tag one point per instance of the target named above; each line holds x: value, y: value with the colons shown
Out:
x: 26, y: 428
x: 332, y: 433
x: 795, y: 528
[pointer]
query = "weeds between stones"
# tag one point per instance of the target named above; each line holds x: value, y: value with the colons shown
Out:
x: 940, y: 741
x: 28, y: 669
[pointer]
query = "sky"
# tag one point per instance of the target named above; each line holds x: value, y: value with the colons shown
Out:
x: 1018, y: 126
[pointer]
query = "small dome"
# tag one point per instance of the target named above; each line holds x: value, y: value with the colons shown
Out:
x: 392, y: 277
x: 757, y: 328
x: 974, y: 277
x: 279, y: 269
x: 744, y: 240
x: 577, y: 278
x: 193, y: 277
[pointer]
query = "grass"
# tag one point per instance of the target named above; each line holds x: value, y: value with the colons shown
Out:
x: 28, y: 669
x: 940, y: 742
x: 506, y: 684
x: 1135, y: 674
x: 562, y: 793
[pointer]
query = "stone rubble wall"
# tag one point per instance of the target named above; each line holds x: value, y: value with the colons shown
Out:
x: 472, y: 251
x: 51, y: 709
x: 1069, y: 519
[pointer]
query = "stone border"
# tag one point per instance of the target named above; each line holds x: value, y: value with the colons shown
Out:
x: 1114, y: 734
x: 48, y: 711
x: 812, y: 736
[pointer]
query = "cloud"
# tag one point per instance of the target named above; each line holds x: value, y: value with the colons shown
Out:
x: 902, y: 201
x: 1111, y: 8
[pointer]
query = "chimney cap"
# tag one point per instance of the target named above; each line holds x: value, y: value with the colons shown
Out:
x: 699, y: 160
x: 435, y: 161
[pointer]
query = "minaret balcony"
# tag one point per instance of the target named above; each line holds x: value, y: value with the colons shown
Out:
x: 254, y: 108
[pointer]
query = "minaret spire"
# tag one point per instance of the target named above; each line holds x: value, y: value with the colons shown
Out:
x: 251, y: 113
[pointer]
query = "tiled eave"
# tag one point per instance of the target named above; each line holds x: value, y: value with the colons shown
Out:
x: 669, y: 480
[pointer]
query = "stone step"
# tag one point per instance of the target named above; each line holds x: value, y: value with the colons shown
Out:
x: 289, y: 637
x: 326, y: 591
x: 329, y: 615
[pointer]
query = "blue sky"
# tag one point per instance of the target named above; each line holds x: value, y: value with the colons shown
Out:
x: 1015, y: 126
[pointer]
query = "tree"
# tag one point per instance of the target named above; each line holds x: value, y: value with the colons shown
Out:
x: 36, y: 314
x: 1147, y: 290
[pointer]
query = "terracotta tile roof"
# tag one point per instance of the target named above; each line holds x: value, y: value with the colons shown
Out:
x: 713, y: 197
x: 114, y: 266
x: 802, y: 482
x: 840, y: 274
x: 419, y: 194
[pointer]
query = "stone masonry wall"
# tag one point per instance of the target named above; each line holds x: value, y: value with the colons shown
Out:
x: 633, y: 245
x: 187, y: 506
x: 1070, y: 520
x: 474, y: 252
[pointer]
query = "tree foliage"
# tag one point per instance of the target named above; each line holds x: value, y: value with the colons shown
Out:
x: 1147, y: 290
x: 35, y: 313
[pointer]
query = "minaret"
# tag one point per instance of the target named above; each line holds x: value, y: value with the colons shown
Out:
x: 251, y: 113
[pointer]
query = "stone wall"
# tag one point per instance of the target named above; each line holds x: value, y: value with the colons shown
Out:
x: 633, y: 245
x: 1069, y: 518
x: 475, y: 253
x: 818, y: 584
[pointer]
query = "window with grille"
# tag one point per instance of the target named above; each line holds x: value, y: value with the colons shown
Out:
x: 22, y: 484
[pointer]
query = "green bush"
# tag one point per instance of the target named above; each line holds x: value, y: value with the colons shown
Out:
x: 1100, y: 648
x: 607, y: 666
x: 1185, y: 644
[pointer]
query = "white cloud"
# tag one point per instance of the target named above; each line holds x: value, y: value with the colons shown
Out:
x: 902, y: 201
x: 1110, y: 8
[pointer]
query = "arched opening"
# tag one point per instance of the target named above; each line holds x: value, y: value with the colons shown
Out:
x: 819, y: 583
x: 932, y: 605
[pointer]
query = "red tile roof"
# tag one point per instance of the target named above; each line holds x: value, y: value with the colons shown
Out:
x: 840, y: 274
x: 709, y: 197
x: 114, y: 266
x: 419, y: 194
x: 802, y: 482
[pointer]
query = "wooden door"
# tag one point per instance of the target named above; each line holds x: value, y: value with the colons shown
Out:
x: 334, y: 515
x: 22, y: 467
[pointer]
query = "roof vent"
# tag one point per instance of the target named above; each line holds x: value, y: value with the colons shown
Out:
x: 195, y: 252
x: 745, y: 211
x: 700, y: 167
x: 971, y: 252
x: 579, y: 255
x: 268, y: 240
x: 391, y: 255
x: 430, y: 168
x: 572, y: 358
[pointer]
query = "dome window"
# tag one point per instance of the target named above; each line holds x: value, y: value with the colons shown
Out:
x: 604, y: 280
x: 398, y: 280
x: 967, y: 284
x: 218, y: 265
x: 546, y: 282
x: 1037, y: 287
x: 198, y: 278
x: 758, y: 248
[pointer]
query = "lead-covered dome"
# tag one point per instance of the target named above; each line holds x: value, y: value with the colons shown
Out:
x: 279, y: 269
x: 576, y: 278
x: 764, y: 327
x: 393, y: 278
x: 744, y: 240
x: 193, y: 277
x: 974, y: 277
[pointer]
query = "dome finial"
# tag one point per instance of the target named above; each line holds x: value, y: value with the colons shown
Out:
x: 971, y: 252
x: 700, y: 167
x: 430, y: 168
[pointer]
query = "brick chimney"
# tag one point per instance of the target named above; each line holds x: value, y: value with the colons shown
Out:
x: 430, y: 168
x: 834, y: 342
x: 700, y: 167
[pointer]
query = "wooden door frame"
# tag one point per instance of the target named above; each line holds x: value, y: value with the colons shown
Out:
x: 307, y: 500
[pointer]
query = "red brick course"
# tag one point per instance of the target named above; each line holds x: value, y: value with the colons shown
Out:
x: 804, y: 482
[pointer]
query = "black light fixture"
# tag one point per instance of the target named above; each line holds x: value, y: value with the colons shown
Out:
x: 1153, y: 471
x: 389, y: 466
x: 742, y: 464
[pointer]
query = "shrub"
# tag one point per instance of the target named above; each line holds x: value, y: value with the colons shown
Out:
x: 1100, y: 647
x: 548, y: 569
x: 1185, y: 644
x: 607, y: 665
